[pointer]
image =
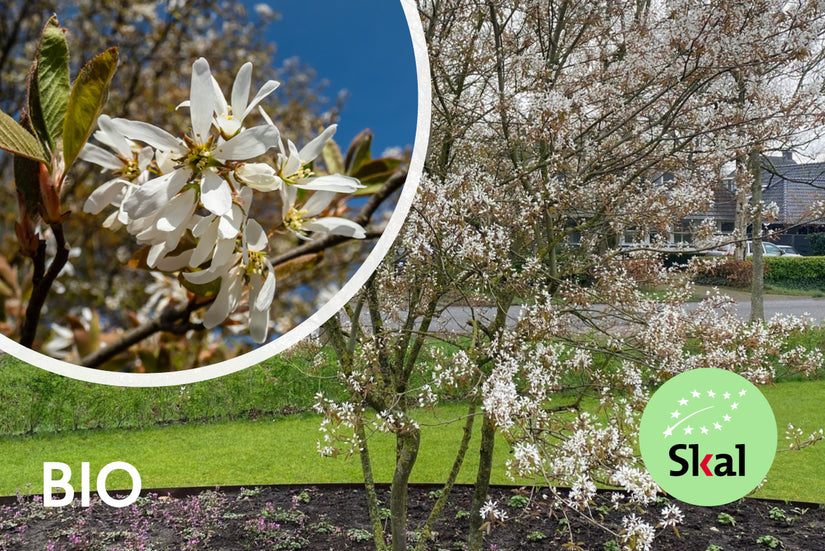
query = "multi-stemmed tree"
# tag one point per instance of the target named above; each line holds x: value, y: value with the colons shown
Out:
x: 557, y: 126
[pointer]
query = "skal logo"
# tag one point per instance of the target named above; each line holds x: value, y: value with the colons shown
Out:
x: 708, y: 437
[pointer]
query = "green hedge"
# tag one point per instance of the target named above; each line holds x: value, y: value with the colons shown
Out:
x: 35, y: 400
x: 802, y: 272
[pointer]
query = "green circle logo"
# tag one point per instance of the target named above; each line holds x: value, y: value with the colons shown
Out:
x: 708, y: 437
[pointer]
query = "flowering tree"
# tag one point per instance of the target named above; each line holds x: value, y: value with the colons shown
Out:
x: 553, y: 123
x: 187, y: 200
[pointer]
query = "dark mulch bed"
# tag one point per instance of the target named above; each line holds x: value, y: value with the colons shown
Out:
x: 335, y: 518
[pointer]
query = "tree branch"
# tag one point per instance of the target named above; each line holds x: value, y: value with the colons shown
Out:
x: 172, y: 320
x: 43, y: 286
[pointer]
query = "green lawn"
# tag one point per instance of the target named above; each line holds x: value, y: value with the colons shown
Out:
x: 282, y: 450
x: 263, y: 451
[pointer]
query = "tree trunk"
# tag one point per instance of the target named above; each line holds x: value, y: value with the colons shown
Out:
x: 441, y: 502
x: 369, y: 486
x: 482, y: 486
x: 757, y: 286
x: 740, y: 217
x: 406, y: 451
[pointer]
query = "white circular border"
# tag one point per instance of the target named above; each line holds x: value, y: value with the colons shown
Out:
x: 422, y: 137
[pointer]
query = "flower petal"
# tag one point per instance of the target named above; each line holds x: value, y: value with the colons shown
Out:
x: 112, y: 221
x: 266, y: 117
x: 145, y: 157
x: 240, y: 89
x: 333, y: 182
x: 318, y: 202
x: 99, y: 156
x: 227, y: 299
x: 256, y: 239
x: 337, y: 226
x: 110, y: 136
x: 177, y: 211
x: 314, y: 148
x: 258, y: 176
x: 202, y: 100
x: 104, y: 195
x: 258, y: 317
x: 206, y: 244
x: 216, y: 195
x: 156, y: 252
x: 224, y: 255
x: 248, y: 144
x: 230, y: 225
x: 268, y: 87
x: 266, y: 294
x: 156, y: 193
x: 293, y: 162
x: 220, y: 102
x: 174, y: 263
x: 148, y: 133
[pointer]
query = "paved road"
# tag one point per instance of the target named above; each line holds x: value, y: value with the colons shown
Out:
x: 456, y: 319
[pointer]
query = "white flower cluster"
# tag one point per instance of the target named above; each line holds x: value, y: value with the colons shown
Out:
x: 491, y: 511
x: 189, y: 199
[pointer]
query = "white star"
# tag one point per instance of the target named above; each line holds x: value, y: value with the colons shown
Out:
x: 717, y: 426
x: 734, y: 405
x: 711, y: 394
x: 704, y: 430
x: 742, y: 392
x: 683, y: 402
x: 675, y: 414
x: 726, y: 417
x: 688, y: 430
x: 695, y: 394
x: 668, y: 432
x: 726, y: 395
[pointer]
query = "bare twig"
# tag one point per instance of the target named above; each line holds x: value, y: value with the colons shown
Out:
x: 43, y: 284
x: 172, y: 320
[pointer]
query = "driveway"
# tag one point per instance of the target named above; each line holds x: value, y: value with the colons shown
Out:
x: 457, y: 319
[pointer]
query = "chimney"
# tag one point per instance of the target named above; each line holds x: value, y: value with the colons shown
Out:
x: 787, y: 155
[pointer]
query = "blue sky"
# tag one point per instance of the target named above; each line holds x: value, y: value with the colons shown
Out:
x: 362, y: 46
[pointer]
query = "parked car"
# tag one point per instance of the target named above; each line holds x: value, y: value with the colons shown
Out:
x: 768, y: 249
x: 788, y: 250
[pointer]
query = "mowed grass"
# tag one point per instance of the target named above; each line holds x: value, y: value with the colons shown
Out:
x: 264, y: 451
x: 283, y: 450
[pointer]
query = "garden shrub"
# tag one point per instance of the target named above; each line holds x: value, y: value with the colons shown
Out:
x: 729, y: 272
x: 796, y: 272
x: 817, y: 242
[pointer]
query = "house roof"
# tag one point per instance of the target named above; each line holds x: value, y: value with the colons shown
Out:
x: 794, y: 187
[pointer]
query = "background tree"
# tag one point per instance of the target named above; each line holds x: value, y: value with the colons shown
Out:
x: 156, y: 40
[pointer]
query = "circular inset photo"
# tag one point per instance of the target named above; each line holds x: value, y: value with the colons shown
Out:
x: 191, y: 186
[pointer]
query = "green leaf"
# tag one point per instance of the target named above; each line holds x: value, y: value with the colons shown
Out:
x: 27, y: 182
x: 333, y: 160
x: 358, y: 152
x: 369, y: 189
x: 37, y: 124
x: 53, y: 78
x: 86, y: 102
x: 27, y: 176
x: 16, y: 139
x: 376, y: 167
